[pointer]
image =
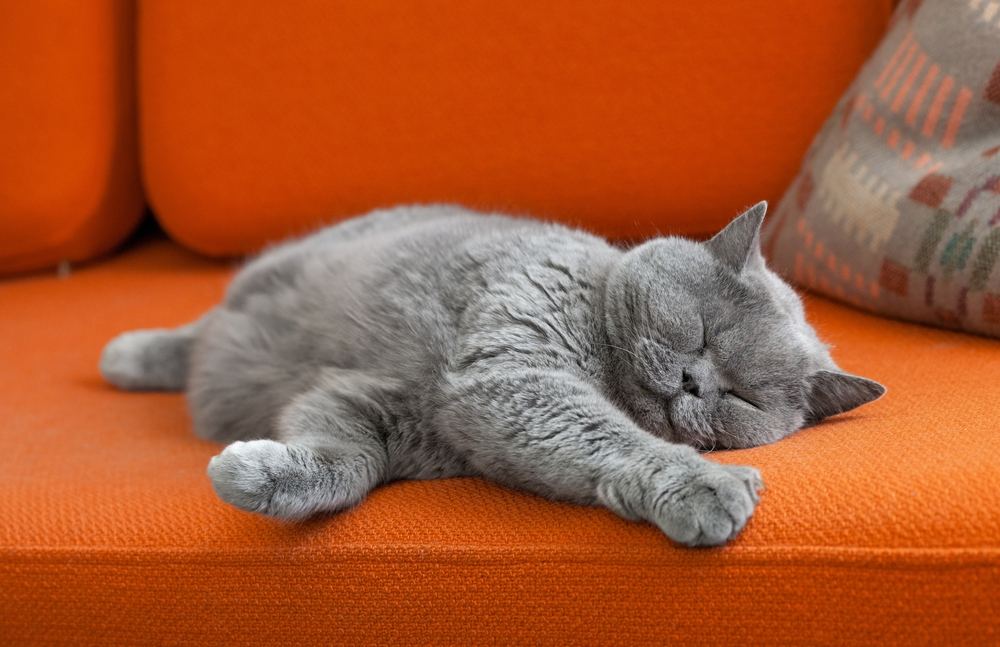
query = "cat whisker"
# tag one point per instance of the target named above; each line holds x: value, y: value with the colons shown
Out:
x: 624, y: 350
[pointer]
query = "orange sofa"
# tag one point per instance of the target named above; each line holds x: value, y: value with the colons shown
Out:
x: 257, y: 120
x: 69, y: 173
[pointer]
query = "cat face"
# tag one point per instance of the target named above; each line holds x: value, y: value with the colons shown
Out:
x: 712, y: 349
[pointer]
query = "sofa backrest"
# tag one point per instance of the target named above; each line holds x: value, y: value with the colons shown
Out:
x: 69, y: 176
x: 263, y: 119
x: 260, y: 120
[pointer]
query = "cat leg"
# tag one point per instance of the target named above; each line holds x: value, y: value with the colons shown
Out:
x: 553, y: 434
x: 149, y: 360
x: 329, y: 456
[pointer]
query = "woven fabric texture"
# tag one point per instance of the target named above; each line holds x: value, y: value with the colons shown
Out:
x: 897, y: 206
x: 882, y: 526
x: 628, y: 118
x: 69, y: 170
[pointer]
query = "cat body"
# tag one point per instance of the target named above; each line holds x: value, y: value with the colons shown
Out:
x: 431, y: 341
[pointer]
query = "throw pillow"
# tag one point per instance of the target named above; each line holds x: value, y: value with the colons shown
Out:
x: 897, y: 206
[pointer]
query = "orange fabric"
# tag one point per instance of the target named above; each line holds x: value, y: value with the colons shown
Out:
x: 69, y: 178
x: 626, y: 117
x: 878, y: 527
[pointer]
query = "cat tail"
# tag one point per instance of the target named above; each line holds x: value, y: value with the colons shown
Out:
x: 149, y: 360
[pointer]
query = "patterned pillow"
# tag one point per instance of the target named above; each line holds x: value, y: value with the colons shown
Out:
x: 897, y: 206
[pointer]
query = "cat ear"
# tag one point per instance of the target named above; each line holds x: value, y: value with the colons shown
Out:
x: 738, y: 245
x: 833, y: 392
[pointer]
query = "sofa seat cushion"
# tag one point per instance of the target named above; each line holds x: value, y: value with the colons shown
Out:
x: 626, y: 117
x: 880, y: 526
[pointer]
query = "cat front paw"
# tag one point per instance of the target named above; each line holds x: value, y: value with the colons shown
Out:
x: 706, y: 504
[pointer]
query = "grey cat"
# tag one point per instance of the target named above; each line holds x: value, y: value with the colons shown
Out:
x: 431, y: 341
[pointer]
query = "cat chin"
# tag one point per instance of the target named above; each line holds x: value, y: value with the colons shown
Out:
x: 688, y: 425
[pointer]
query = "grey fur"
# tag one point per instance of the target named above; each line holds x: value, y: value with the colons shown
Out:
x: 427, y: 342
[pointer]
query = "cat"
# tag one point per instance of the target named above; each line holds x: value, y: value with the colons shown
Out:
x: 429, y: 342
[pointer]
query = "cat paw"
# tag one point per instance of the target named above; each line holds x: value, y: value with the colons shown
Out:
x: 263, y: 476
x: 144, y: 360
x: 121, y: 360
x: 708, y: 504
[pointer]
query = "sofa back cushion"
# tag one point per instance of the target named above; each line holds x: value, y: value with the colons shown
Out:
x: 69, y: 179
x: 264, y: 119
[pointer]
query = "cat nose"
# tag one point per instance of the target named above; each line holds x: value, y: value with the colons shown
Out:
x: 690, y: 384
x: 698, y: 379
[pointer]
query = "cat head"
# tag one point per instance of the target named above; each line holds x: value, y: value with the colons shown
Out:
x: 712, y: 349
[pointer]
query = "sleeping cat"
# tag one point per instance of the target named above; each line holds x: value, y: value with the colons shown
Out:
x: 431, y: 341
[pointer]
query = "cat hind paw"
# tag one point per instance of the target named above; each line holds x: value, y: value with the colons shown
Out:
x: 262, y: 476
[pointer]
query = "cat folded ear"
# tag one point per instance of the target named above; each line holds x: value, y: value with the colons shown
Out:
x: 833, y: 392
x: 738, y: 245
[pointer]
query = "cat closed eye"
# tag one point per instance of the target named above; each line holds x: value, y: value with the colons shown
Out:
x: 741, y: 400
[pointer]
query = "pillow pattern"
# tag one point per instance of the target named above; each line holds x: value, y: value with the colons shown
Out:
x: 897, y: 206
